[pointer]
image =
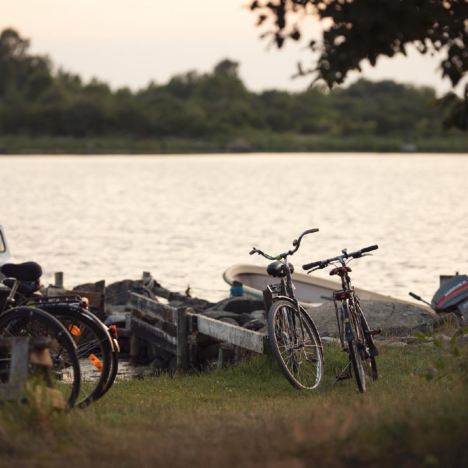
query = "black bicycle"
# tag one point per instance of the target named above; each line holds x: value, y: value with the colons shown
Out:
x: 352, y: 324
x: 96, y: 348
x: 294, y: 338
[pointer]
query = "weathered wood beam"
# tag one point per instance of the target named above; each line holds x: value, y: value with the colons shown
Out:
x: 152, y: 334
x: 237, y: 336
x: 152, y: 309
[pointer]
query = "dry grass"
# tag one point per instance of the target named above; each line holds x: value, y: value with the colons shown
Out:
x: 250, y: 416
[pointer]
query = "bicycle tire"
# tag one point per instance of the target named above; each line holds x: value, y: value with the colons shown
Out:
x: 293, y: 365
x: 355, y: 357
x: 113, y: 372
x: 33, y: 322
x: 372, y: 364
x: 94, y: 350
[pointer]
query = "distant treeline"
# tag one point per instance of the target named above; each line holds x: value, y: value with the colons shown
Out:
x: 36, y: 101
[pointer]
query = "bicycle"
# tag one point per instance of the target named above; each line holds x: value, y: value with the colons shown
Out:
x: 293, y: 336
x: 33, y: 322
x: 352, y: 324
x: 96, y: 349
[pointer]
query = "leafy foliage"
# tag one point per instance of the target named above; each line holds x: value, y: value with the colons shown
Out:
x: 367, y: 29
x: 36, y: 101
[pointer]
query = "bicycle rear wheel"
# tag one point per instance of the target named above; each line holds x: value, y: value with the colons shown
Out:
x: 93, y: 349
x: 370, y: 345
x: 29, y: 322
x: 297, y: 349
x: 354, y: 351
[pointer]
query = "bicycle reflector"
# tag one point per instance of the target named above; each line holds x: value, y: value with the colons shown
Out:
x: 74, y: 330
x: 113, y: 331
x: 342, y: 296
x: 95, y: 362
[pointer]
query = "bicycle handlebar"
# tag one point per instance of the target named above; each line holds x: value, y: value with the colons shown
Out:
x: 296, y: 244
x: 323, y: 263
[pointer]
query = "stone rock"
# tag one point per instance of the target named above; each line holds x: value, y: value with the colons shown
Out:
x: 255, y: 324
x: 244, y: 318
x: 238, y: 305
x: 115, y: 319
x: 203, y: 340
x: 212, y: 352
x: 229, y: 320
x: 393, y: 317
x: 258, y: 314
x: 116, y: 293
x: 219, y: 314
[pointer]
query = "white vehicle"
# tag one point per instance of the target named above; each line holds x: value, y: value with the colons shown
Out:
x: 5, y: 256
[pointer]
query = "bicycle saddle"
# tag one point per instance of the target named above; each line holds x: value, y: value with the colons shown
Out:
x: 26, y: 289
x: 28, y: 271
x: 278, y: 270
x: 340, y: 270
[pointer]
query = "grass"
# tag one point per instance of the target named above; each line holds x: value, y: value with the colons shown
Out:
x: 244, y: 142
x: 249, y: 416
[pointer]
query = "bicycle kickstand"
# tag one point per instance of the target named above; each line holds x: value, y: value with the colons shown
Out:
x: 342, y: 375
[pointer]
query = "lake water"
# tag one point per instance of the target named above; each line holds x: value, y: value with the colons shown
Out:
x: 187, y: 218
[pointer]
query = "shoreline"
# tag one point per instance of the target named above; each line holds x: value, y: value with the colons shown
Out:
x: 229, y: 145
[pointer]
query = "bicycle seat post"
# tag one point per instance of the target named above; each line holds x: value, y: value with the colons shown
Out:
x: 11, y: 296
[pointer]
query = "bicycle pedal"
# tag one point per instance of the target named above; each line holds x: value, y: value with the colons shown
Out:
x: 378, y: 331
x: 344, y: 377
x: 344, y: 350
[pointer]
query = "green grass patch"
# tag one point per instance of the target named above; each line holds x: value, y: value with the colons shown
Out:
x: 250, y: 416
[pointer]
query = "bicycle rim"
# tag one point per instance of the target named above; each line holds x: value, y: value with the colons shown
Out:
x: 299, y: 355
x: 356, y: 360
x: 93, y: 351
x: 35, y: 323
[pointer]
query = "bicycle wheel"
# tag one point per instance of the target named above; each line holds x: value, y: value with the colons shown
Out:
x: 113, y: 372
x: 297, y: 349
x: 93, y: 349
x: 26, y: 321
x: 370, y: 360
x: 354, y: 351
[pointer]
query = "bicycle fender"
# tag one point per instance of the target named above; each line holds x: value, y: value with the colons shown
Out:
x: 347, y: 323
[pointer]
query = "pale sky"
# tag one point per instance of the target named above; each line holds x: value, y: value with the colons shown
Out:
x: 130, y: 43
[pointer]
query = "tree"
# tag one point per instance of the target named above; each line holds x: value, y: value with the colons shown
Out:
x: 367, y: 29
x: 17, y: 67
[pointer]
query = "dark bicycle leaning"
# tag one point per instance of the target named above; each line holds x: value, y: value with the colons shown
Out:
x: 294, y: 338
x: 352, y: 324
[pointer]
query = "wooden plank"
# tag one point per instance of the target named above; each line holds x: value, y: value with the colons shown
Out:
x: 154, y: 309
x: 19, y: 361
x: 232, y: 334
x: 182, y: 339
x: 152, y: 334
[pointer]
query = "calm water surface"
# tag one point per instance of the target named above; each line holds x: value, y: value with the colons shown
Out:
x: 187, y: 218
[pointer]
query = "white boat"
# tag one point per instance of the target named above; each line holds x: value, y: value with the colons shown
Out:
x: 5, y: 255
x: 310, y: 290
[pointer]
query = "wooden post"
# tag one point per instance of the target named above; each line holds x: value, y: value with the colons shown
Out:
x: 59, y: 279
x: 182, y: 339
x: 135, y: 345
x: 19, y: 361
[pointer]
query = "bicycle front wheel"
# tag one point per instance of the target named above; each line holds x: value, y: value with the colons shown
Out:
x: 355, y: 349
x: 29, y: 322
x: 296, y: 346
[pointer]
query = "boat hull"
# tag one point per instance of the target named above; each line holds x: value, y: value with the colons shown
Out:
x: 311, y: 291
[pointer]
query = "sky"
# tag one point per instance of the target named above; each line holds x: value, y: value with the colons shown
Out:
x: 132, y: 42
